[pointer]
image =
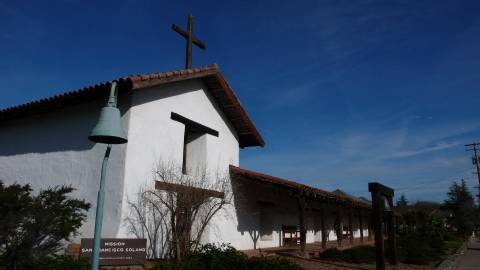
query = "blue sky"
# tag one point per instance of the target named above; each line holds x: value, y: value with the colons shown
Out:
x: 344, y: 92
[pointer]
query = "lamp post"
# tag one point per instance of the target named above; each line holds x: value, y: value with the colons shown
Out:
x: 107, y: 131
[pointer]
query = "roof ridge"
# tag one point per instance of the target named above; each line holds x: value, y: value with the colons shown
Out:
x: 209, y: 74
x: 209, y: 67
x: 150, y: 75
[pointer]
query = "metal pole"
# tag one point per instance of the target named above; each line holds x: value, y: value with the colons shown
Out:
x: 99, y: 212
x: 478, y: 170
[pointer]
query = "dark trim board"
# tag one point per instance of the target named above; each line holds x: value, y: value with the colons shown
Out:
x: 192, y: 125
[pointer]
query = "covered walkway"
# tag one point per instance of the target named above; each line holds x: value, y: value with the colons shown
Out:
x: 280, y: 213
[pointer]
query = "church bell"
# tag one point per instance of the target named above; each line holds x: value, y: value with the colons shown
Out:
x: 109, y: 128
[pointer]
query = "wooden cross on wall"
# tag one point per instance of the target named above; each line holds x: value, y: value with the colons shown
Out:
x: 188, y: 35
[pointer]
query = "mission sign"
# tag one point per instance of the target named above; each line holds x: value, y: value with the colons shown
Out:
x: 117, y: 251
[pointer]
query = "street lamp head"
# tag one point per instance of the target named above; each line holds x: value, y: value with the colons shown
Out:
x: 109, y: 128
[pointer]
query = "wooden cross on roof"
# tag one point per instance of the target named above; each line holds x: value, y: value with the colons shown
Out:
x: 188, y: 35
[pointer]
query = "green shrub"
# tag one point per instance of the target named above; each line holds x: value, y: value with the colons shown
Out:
x: 34, y: 226
x: 332, y: 254
x: 452, y: 246
x: 62, y: 263
x: 224, y: 257
x: 419, y: 249
x: 424, y: 239
x: 413, y: 250
x: 359, y: 254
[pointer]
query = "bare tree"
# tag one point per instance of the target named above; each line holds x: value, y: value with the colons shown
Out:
x: 148, y: 220
x: 175, y: 215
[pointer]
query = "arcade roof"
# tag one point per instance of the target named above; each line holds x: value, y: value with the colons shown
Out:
x: 295, y: 186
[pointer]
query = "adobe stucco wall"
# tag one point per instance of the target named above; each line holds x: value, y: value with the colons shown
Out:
x: 154, y: 137
x: 53, y: 149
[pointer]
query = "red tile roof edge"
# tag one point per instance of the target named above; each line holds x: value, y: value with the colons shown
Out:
x: 134, y: 82
x: 297, y: 186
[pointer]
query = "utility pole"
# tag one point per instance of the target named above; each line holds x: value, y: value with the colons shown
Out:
x: 475, y: 160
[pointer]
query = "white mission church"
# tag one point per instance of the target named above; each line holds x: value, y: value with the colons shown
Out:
x: 44, y: 143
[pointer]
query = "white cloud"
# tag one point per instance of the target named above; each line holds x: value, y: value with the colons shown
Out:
x: 414, y: 152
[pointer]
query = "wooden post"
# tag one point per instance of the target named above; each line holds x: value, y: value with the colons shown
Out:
x: 377, y: 228
x: 188, y: 62
x: 397, y: 227
x: 360, y: 224
x: 392, y: 242
x: 339, y: 227
x: 301, y: 218
x: 369, y: 228
x: 324, y: 231
x: 350, y: 226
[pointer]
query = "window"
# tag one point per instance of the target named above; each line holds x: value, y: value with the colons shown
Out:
x: 194, y: 144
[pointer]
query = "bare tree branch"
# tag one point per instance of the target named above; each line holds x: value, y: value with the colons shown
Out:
x: 174, y: 218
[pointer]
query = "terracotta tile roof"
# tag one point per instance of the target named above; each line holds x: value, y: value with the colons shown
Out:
x: 345, y: 194
x: 216, y: 84
x: 307, y: 190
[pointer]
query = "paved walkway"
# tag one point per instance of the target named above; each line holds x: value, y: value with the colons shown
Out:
x: 471, y: 259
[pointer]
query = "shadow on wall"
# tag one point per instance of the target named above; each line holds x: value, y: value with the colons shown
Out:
x: 52, y: 149
x: 65, y: 129
x: 263, y: 211
x: 177, y: 89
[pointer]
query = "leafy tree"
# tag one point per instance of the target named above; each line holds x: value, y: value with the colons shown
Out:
x: 402, y: 205
x: 34, y: 227
x: 460, y: 202
x: 402, y: 201
x: 427, y: 207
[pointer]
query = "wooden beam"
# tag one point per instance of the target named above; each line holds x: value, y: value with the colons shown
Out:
x: 192, y: 125
x: 184, y: 34
x: 160, y: 185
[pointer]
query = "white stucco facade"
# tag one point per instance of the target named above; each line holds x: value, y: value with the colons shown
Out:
x: 154, y: 137
x: 52, y: 149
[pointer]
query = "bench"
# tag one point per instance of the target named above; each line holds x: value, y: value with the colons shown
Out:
x: 290, y: 235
